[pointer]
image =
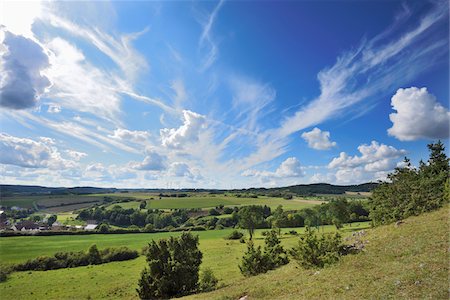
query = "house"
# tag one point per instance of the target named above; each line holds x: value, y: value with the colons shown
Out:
x: 90, y: 227
x: 25, y: 225
x: 58, y: 226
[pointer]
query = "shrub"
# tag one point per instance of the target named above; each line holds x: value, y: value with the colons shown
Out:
x: 173, y: 268
x: 314, y: 251
x: 208, y: 281
x: 254, y: 261
x: 235, y: 235
x: 214, y: 212
x: 275, y: 253
x: 227, y: 210
x: 103, y: 228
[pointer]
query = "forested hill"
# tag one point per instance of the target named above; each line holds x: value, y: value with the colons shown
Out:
x: 302, y: 189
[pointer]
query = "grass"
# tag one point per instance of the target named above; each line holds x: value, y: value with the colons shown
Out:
x: 209, y: 201
x: 51, y: 203
x: 405, y: 262
x: 115, y: 280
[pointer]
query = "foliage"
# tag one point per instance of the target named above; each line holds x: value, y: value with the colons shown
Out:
x: 317, y: 251
x: 103, y: 228
x: 75, y: 259
x: 208, y: 282
x: 52, y: 219
x: 412, y: 191
x: 255, y: 261
x: 251, y: 217
x: 235, y: 235
x: 143, y: 204
x: 173, y: 268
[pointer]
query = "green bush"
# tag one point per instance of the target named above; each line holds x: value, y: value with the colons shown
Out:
x: 317, y: 251
x: 255, y: 261
x: 208, y: 282
x: 173, y: 267
x: 235, y: 235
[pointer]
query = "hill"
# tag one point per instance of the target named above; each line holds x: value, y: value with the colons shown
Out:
x: 409, y: 261
x: 302, y: 189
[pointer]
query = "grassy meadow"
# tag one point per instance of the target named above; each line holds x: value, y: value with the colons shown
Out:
x: 117, y: 279
x: 209, y: 201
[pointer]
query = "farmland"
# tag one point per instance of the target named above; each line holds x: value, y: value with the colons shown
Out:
x: 208, y: 201
x: 117, y: 279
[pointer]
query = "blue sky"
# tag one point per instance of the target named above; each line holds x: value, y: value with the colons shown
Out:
x: 224, y: 94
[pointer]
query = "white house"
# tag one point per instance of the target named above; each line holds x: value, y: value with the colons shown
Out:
x: 90, y: 227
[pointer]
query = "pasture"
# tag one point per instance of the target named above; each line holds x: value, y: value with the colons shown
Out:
x: 117, y: 279
x: 209, y: 201
x: 51, y: 203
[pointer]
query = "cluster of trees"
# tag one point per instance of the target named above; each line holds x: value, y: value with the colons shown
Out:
x: 412, y: 191
x: 75, y: 259
x: 127, y: 217
x: 173, y: 269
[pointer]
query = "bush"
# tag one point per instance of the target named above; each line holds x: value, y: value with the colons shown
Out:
x: 255, y: 261
x: 228, y: 210
x: 173, y: 268
x: 314, y: 251
x: 235, y: 235
x: 214, y: 212
x: 208, y: 281
x: 76, y: 259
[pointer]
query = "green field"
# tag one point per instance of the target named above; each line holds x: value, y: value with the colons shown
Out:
x: 208, y: 201
x: 50, y: 203
x: 118, y: 279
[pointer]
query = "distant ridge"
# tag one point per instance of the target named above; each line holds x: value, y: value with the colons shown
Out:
x: 301, y: 189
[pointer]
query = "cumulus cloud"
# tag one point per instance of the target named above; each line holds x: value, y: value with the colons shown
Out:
x: 180, y: 169
x: 375, y: 161
x: 135, y: 136
x: 186, y: 133
x: 291, y: 167
x: 21, y: 81
x: 29, y: 153
x: 419, y: 116
x: 318, y: 139
x: 152, y: 162
x: 76, y: 155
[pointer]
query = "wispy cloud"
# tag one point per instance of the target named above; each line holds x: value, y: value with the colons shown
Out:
x: 206, y: 41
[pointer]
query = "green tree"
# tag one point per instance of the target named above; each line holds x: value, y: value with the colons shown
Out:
x: 250, y: 217
x: 254, y: 261
x: 94, y: 255
x: 52, y: 219
x: 275, y: 253
x: 338, y: 210
x: 143, y: 204
x: 317, y: 251
x: 173, y: 268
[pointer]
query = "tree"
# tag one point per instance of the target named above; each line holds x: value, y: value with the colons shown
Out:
x: 173, y: 268
x: 94, y: 255
x: 412, y: 191
x: 276, y: 254
x: 143, y: 204
x: 317, y: 251
x: 250, y: 217
x: 52, y: 219
x: 339, y: 212
x: 254, y: 261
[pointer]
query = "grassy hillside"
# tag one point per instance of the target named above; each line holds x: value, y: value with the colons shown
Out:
x: 408, y: 262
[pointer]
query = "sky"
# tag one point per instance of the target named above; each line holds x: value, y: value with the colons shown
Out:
x: 219, y: 94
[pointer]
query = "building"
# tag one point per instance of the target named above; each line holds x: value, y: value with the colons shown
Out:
x: 90, y: 227
x: 25, y: 225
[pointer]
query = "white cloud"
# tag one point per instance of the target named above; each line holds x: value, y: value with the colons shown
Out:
x: 29, y: 153
x: 375, y: 161
x: 319, y: 140
x: 179, y: 169
x: 206, y: 42
x: 19, y: 16
x: 418, y: 116
x: 186, y: 133
x: 21, y: 67
x: 54, y: 108
x: 152, y: 162
x: 136, y: 136
x: 291, y: 167
x: 374, y: 157
x: 373, y: 68
x: 76, y: 155
x: 250, y: 101
x: 79, y: 85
